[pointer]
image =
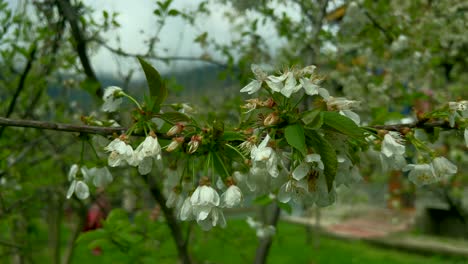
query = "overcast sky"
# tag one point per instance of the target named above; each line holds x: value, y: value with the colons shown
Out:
x: 176, y: 37
x: 136, y: 17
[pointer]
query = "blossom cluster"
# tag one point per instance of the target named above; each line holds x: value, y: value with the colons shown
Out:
x: 289, y: 154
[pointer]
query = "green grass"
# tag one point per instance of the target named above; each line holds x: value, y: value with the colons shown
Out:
x: 237, y: 244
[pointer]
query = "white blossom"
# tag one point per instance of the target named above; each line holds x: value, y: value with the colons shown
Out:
x: 466, y: 137
x: 392, y: 151
x: 146, y: 152
x: 215, y: 218
x: 458, y: 110
x: 232, y: 197
x: 311, y: 161
x: 264, y: 156
x: 186, y: 211
x: 443, y: 167
x: 101, y: 176
x: 120, y: 153
x: 255, y: 85
x: 203, y: 200
x: 293, y: 190
x: 421, y: 174
x: 174, y: 200
x: 77, y: 186
x: 112, y: 98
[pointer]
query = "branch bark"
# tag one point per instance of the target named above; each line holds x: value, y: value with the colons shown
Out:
x: 63, y: 127
x: 174, y: 226
x: 265, y: 244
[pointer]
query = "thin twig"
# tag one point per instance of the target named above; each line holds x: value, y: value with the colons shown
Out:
x: 122, y: 53
x: 21, y: 83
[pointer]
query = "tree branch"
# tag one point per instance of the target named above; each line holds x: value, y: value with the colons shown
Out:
x: 376, y: 24
x: 265, y: 244
x: 21, y: 83
x: 99, y: 130
x: 424, y: 124
x: 70, y: 14
x: 174, y: 226
x: 122, y: 53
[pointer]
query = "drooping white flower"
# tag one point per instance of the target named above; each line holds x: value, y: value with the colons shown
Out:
x: 443, y: 168
x: 146, y: 152
x: 101, y: 176
x: 148, y: 148
x: 392, y: 146
x: 174, y: 200
x: 466, y: 137
x: 232, y: 197
x: 347, y: 173
x: 77, y: 186
x: 203, y: 200
x: 421, y: 174
x: 186, y: 211
x: 323, y: 197
x: 112, y: 98
x: 215, y: 218
x: 120, y: 153
x: 293, y: 190
x: 311, y: 161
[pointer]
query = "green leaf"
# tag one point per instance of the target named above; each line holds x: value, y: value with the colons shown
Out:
x: 173, y: 12
x: 116, y: 215
x: 313, y: 119
x: 233, y: 136
x: 156, y: 85
x: 342, y: 124
x: 218, y: 129
x: 174, y: 117
x: 88, y: 237
x: 219, y: 165
x: 432, y: 133
x: 286, y: 207
x: 263, y: 200
x: 327, y: 154
x: 295, y: 137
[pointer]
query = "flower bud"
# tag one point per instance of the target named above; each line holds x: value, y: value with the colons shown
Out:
x: 176, y: 129
x: 175, y: 143
x: 271, y: 119
x: 194, y: 143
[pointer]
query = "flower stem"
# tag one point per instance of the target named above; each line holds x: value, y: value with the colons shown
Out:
x: 133, y: 100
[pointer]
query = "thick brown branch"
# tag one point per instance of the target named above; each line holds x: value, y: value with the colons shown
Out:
x: 419, y: 124
x: 174, y: 226
x: 111, y: 130
x: 61, y: 126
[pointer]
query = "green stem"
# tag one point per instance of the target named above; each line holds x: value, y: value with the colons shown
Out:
x: 133, y: 100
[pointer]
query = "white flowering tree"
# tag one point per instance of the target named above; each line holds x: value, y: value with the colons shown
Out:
x: 301, y: 134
